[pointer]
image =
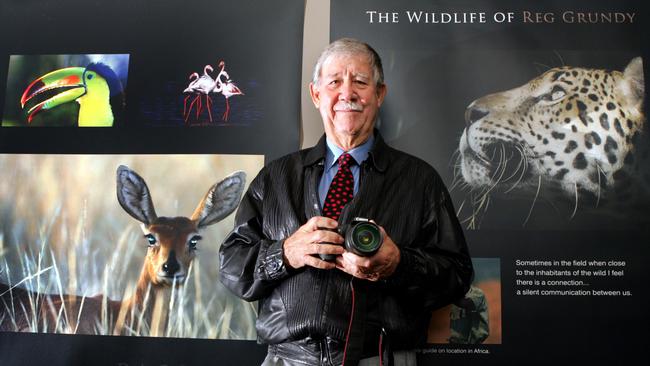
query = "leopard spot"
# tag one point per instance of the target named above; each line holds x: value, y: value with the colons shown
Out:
x: 558, y: 135
x: 561, y: 173
x: 579, y: 162
x: 604, y: 121
x: 618, y: 128
x: 572, y: 145
x: 610, y: 144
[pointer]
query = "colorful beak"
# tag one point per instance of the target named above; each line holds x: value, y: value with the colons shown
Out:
x: 70, y: 79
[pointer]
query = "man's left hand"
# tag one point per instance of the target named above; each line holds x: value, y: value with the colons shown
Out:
x: 381, y: 265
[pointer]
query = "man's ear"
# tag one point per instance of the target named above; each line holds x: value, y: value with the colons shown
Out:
x: 315, y: 94
x: 381, y: 94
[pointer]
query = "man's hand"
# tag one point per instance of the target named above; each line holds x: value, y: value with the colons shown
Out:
x: 381, y: 265
x: 317, y: 236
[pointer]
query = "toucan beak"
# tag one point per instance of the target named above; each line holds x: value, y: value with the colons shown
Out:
x: 70, y: 79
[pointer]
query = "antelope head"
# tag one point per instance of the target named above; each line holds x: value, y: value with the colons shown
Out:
x: 172, y: 241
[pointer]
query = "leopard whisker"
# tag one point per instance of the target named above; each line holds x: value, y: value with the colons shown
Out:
x: 575, y: 207
x: 600, y: 171
x: 455, y: 156
x: 515, y: 170
x: 496, y: 173
x: 471, y: 220
x: 460, y: 207
x: 523, y: 164
x: 500, y: 170
x: 559, y: 57
x: 457, y: 179
x: 530, y: 211
x: 541, y: 68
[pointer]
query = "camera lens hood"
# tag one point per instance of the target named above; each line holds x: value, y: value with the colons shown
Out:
x: 363, y: 237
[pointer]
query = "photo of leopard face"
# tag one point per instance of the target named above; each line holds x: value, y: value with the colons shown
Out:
x: 572, y: 130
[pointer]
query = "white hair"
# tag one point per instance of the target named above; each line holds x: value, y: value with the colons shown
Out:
x: 350, y: 47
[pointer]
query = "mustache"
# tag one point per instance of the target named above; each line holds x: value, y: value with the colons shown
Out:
x: 348, y: 106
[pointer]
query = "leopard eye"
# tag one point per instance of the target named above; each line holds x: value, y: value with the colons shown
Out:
x: 555, y: 94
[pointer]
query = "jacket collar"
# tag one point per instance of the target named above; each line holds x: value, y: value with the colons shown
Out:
x: 378, y: 156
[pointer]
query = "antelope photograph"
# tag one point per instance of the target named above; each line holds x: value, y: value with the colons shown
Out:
x: 120, y: 245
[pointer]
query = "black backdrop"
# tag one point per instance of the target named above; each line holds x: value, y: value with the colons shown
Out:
x: 166, y: 40
x: 261, y: 43
x: 433, y: 72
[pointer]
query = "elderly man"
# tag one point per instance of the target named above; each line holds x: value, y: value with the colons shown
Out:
x: 320, y: 304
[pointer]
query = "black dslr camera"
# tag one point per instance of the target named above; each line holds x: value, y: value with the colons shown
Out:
x: 362, y: 238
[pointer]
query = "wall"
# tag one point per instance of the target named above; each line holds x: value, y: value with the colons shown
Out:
x: 316, y: 37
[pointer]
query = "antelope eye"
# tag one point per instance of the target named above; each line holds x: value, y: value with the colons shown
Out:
x: 151, y: 239
x: 193, y: 241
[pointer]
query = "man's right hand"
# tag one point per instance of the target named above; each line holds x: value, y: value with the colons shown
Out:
x: 317, y: 236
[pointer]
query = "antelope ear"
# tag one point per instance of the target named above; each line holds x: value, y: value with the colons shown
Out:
x: 221, y: 200
x: 133, y: 195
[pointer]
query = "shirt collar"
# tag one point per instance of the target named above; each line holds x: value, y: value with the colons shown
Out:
x: 379, y: 156
x: 359, y: 153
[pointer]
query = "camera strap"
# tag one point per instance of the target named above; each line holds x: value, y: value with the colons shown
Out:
x: 385, y: 351
x: 365, y: 337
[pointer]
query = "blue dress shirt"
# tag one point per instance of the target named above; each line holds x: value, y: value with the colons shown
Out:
x: 359, y: 153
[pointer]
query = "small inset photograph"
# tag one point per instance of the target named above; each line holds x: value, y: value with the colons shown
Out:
x: 121, y: 245
x: 86, y: 90
x: 198, y: 96
x: 201, y: 89
x: 476, y: 318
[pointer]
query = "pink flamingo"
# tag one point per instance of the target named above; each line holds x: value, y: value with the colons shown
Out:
x: 201, y: 86
x: 226, y: 88
x: 190, y: 89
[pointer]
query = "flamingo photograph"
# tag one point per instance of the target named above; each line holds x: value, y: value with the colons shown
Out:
x: 204, y: 88
x: 201, y: 87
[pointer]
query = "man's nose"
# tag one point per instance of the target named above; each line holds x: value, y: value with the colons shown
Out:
x: 347, y: 91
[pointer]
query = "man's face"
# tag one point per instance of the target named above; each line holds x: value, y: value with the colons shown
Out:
x: 348, y: 99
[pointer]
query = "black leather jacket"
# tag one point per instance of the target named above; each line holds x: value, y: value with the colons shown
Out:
x: 400, y: 192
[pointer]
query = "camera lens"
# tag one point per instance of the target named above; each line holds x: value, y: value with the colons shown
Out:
x: 364, y: 239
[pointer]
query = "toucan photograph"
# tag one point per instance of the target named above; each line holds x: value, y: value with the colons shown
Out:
x: 86, y: 90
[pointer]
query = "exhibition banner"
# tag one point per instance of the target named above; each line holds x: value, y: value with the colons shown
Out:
x: 533, y: 113
x: 128, y: 132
